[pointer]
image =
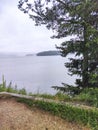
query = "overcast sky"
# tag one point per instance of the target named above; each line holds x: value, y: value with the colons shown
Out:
x: 18, y: 33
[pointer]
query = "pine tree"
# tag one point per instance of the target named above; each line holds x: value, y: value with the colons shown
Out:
x: 77, y: 18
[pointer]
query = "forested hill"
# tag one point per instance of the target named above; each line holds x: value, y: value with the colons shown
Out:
x: 48, y: 53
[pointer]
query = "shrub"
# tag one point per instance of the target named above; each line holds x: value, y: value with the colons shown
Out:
x: 22, y: 91
x: 89, y: 96
x: 62, y: 96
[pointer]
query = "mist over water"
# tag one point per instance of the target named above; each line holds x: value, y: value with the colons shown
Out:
x: 35, y: 73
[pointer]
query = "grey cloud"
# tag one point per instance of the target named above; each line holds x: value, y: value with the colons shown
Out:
x: 18, y: 33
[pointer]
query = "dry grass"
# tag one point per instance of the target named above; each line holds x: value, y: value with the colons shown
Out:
x: 17, y: 116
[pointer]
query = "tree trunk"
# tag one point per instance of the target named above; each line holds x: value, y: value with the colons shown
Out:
x: 85, y: 77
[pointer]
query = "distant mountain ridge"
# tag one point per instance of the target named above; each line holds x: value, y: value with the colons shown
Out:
x: 48, y: 53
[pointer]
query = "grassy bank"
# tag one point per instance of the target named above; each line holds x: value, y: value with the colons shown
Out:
x: 87, y: 117
x: 74, y: 114
x: 88, y: 96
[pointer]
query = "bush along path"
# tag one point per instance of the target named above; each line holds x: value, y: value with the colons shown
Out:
x: 71, y: 112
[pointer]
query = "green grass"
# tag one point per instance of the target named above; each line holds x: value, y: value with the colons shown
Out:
x: 9, y: 88
x: 67, y: 112
x: 62, y: 97
x: 58, y: 96
x: 12, y: 90
x: 88, y: 96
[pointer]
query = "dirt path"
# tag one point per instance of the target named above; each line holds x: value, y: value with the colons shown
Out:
x: 17, y: 116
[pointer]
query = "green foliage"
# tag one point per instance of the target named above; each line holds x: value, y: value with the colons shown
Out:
x: 58, y: 96
x: 68, y: 89
x: 28, y: 102
x: 2, y: 88
x: 94, y: 79
x: 3, y: 85
x: 47, y: 96
x: 62, y: 96
x: 9, y: 88
x: 73, y: 114
x: 22, y: 91
x: 30, y: 94
x: 88, y: 96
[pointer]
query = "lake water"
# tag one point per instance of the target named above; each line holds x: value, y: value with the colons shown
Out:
x: 35, y: 73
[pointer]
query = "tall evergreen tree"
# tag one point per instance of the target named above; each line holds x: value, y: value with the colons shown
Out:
x: 76, y: 18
